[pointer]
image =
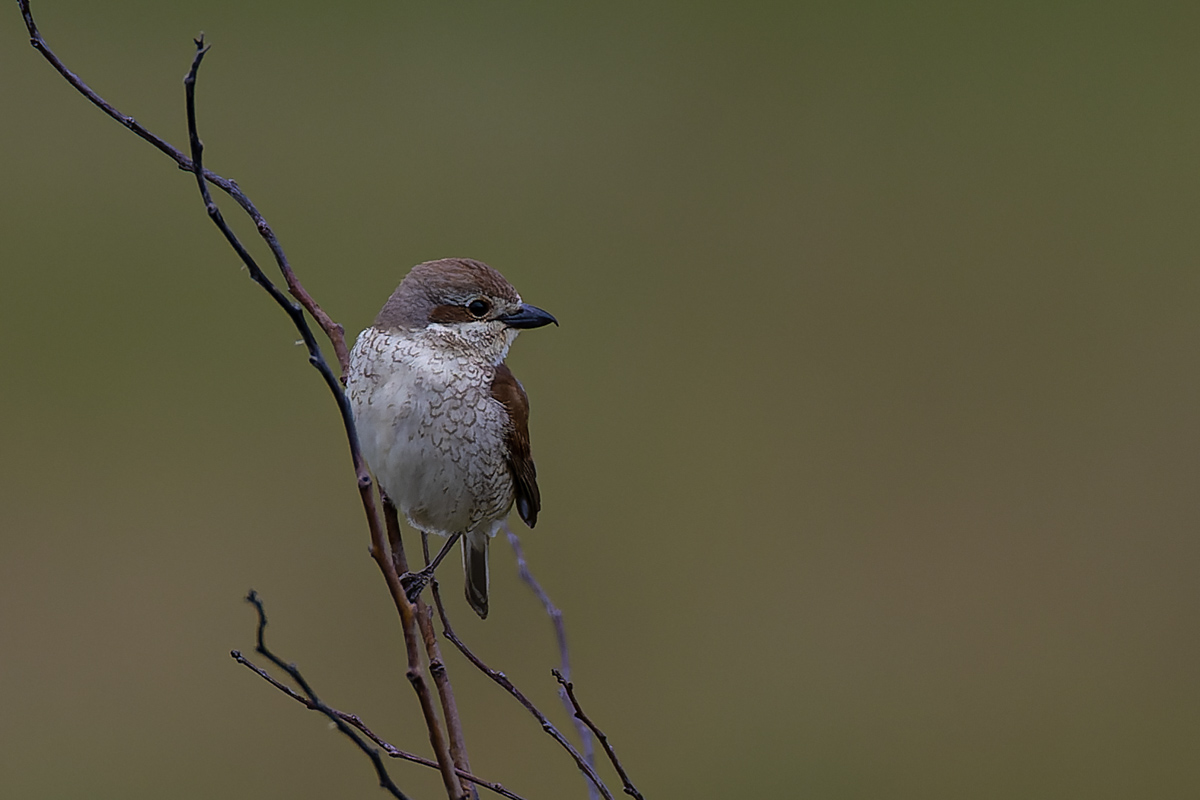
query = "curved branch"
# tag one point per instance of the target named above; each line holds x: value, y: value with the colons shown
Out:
x: 569, y: 688
x: 379, y: 544
x: 333, y: 330
x: 437, y: 667
x: 353, y: 720
x: 564, y: 655
x: 415, y: 673
x: 502, y: 679
x: 314, y: 703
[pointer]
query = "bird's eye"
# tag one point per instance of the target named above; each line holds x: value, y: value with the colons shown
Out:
x: 479, y: 307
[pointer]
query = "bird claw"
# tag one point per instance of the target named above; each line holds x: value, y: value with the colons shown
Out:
x: 414, y: 583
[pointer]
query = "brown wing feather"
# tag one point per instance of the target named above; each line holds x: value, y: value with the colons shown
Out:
x: 509, y: 392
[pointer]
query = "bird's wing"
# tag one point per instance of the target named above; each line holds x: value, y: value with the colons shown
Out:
x: 507, y: 390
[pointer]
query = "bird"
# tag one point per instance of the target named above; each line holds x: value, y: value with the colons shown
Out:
x: 442, y: 421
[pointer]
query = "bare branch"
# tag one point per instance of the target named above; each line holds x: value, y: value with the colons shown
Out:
x: 333, y: 330
x: 356, y: 722
x: 564, y: 656
x: 569, y: 688
x: 414, y: 673
x: 501, y: 679
x: 451, y: 764
x: 312, y: 701
x: 295, y: 313
x: 437, y: 667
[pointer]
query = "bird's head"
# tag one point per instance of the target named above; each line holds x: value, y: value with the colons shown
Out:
x: 461, y: 303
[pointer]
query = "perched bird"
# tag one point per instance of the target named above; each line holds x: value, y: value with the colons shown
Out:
x: 442, y: 421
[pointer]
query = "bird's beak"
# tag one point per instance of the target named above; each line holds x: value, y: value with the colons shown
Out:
x: 528, y: 317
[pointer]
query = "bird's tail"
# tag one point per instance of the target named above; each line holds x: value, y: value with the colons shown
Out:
x: 475, y: 564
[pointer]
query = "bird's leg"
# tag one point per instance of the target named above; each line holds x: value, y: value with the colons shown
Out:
x: 414, y: 582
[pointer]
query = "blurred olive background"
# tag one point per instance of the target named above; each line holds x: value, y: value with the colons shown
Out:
x: 869, y: 442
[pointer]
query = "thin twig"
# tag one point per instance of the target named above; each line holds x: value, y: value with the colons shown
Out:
x: 333, y: 330
x: 501, y: 679
x: 294, y: 312
x: 577, y: 710
x: 313, y: 701
x: 415, y: 673
x: 437, y: 667
x: 560, y: 633
x: 407, y: 613
x: 335, y: 333
x: 356, y: 722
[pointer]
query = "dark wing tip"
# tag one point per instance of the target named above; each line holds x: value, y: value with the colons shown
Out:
x: 508, y: 391
x: 527, y: 510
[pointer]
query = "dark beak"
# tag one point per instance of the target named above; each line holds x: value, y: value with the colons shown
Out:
x: 528, y: 317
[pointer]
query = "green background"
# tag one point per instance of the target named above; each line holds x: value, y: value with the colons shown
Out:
x: 869, y: 443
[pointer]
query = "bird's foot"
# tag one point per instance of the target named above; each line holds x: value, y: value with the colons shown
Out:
x: 415, y: 582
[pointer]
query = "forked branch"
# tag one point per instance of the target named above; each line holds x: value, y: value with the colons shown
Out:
x: 332, y: 329
x: 437, y: 667
x: 569, y: 688
x: 564, y: 655
x: 309, y: 700
x: 502, y: 680
x: 411, y: 616
x: 415, y: 672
